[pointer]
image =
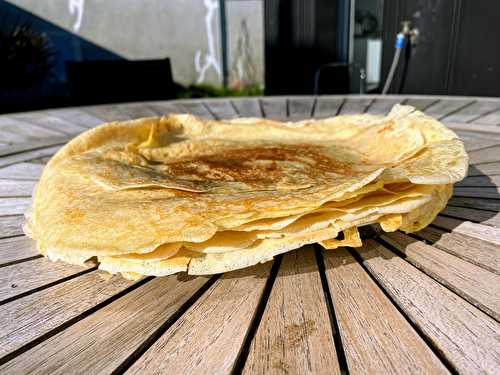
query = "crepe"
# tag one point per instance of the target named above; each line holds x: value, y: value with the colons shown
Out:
x: 162, y: 195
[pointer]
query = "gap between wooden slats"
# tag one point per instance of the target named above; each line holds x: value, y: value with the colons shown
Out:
x: 375, y: 336
x: 196, y: 108
x: 15, y: 249
x: 479, y: 216
x: 468, y: 200
x: 220, y: 109
x: 479, y: 231
x: 208, y: 336
x: 294, y: 334
x: 474, y: 250
x: 477, y: 285
x: 382, y: 106
x: 354, y: 105
x: 450, y: 323
x: 477, y: 181
x: 248, y: 107
x: 327, y: 106
x: 444, y: 108
x: 300, y: 108
x: 28, y: 155
x: 274, y: 108
x: 11, y: 225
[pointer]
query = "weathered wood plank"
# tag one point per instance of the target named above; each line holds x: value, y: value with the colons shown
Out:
x: 464, y: 335
x: 207, y: 338
x: 478, y: 203
x: 13, y: 206
x: 115, y: 331
x: 355, y: 105
x: 79, y: 116
x: 327, y: 106
x: 471, y: 214
x: 375, y: 336
x: 295, y: 333
x: 489, y: 119
x: 16, y: 248
x: 16, y: 188
x: 489, y: 192
x: 485, y: 155
x: 28, y: 155
x: 476, y: 128
x: 479, y: 231
x: 477, y: 285
x: 108, y: 112
x: 481, y: 253
x: 45, y: 120
x: 274, y: 108
x: 162, y: 108
x: 444, y: 108
x: 23, y: 277
x: 11, y: 225
x: 7, y: 150
x: 17, y: 131
x: 196, y: 108
x: 479, y: 181
x: 300, y: 108
x: 472, y: 112
x: 421, y: 103
x: 22, y: 171
x: 221, y: 109
x: 478, y: 144
x: 382, y: 106
x: 34, y: 315
x: 488, y: 169
x: 248, y: 107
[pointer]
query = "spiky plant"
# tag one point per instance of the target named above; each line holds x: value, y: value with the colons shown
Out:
x: 26, y: 56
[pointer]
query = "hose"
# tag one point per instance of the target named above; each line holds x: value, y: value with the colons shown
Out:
x: 400, y: 42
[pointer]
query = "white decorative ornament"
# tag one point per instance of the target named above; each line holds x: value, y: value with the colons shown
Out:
x: 76, y: 6
x: 210, y: 57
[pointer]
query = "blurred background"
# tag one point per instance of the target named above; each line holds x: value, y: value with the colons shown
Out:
x: 75, y: 52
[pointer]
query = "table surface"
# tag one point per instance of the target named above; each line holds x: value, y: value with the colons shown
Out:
x: 428, y: 302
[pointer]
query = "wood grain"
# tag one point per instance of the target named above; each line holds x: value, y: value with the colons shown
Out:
x: 478, y: 203
x: 162, y: 108
x: 300, y: 108
x: 136, y: 110
x: 492, y: 118
x: 464, y: 335
x: 485, y: 155
x: 274, y: 108
x: 471, y: 214
x: 101, y: 342
x: 421, y: 103
x: 221, y: 109
x: 354, y: 105
x: 479, y: 231
x: 476, y: 128
x: 489, y: 169
x: 28, y: 155
x: 248, y: 107
x: 16, y: 188
x: 16, y: 248
x: 478, y: 144
x: 480, y: 181
x: 476, y: 251
x: 473, y: 112
x: 45, y: 120
x: 79, y: 116
x: 207, y: 338
x: 444, y: 108
x: 327, y: 106
x: 11, y: 225
x: 382, y: 106
x: 14, y: 206
x: 23, y: 277
x: 477, y: 285
x: 295, y: 333
x: 22, y: 171
x: 375, y: 336
x: 195, y: 108
x: 17, y: 131
x: 490, y: 192
x: 32, y: 316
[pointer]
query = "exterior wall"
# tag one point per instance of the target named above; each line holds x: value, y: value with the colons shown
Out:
x: 187, y: 31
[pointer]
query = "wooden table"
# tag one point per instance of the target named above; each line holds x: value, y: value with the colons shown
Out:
x: 427, y: 302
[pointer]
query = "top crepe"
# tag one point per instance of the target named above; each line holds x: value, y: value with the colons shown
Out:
x: 130, y: 187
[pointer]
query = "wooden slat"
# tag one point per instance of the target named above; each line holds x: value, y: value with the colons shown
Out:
x: 14, y: 206
x: 327, y: 106
x: 478, y: 203
x: 382, y: 106
x: 23, y: 277
x: 274, y: 108
x: 44, y: 120
x: 295, y: 333
x: 248, y: 107
x: 22, y: 171
x: 478, y: 144
x: 8, y: 150
x: 162, y: 108
x: 473, y: 250
x: 300, y: 108
x: 489, y: 119
x: 115, y: 331
x: 197, y: 109
x: 32, y: 316
x: 489, y: 169
x: 479, y: 181
x: 108, y: 112
x: 489, y: 192
x: 16, y: 248
x: 16, y: 188
x: 473, y: 112
x: 354, y: 105
x: 207, y: 338
x: 421, y: 103
x: 375, y: 336
x: 28, y: 155
x: 479, y: 231
x: 485, y: 155
x: 136, y: 110
x: 13, y: 130
x: 77, y: 116
x: 464, y: 335
x: 11, y: 225
x: 445, y: 108
x: 477, y: 285
x: 221, y: 109
x: 471, y: 214
x: 476, y: 128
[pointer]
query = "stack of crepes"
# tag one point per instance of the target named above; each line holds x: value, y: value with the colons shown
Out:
x: 157, y: 196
